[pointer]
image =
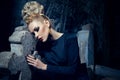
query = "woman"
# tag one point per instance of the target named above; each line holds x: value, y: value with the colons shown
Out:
x: 59, y: 51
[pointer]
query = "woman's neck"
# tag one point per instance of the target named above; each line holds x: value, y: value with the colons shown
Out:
x: 55, y: 35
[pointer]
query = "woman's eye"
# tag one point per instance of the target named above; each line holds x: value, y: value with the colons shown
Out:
x: 36, y: 29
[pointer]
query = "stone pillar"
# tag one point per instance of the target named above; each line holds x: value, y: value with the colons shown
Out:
x: 22, y: 43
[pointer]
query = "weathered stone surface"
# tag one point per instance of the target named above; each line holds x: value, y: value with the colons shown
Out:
x: 28, y: 43
x: 16, y: 37
x: 5, y: 58
x: 20, y: 28
x: 18, y: 63
x: 17, y: 49
x: 22, y: 43
x: 83, y: 45
x: 86, y: 45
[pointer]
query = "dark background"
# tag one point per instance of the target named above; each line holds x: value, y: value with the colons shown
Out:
x: 103, y: 14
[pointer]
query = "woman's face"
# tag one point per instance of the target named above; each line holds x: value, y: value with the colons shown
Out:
x: 39, y: 29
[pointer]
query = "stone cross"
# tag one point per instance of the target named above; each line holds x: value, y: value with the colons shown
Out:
x: 22, y: 43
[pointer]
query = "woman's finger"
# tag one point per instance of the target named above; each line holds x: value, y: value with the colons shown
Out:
x: 32, y: 60
x: 31, y: 56
x: 33, y: 64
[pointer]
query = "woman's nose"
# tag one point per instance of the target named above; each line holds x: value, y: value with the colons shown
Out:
x: 36, y: 34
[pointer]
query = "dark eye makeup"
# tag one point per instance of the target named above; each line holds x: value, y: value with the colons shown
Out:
x: 36, y: 29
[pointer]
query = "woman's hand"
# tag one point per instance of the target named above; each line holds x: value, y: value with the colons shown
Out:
x: 36, y: 62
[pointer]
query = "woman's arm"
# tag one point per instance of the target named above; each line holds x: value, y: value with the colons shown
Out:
x: 72, y: 54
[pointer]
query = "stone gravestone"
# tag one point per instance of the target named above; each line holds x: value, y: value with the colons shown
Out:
x: 86, y: 48
x: 22, y: 43
x: 86, y: 45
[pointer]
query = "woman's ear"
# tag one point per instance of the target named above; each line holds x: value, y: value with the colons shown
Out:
x: 47, y: 23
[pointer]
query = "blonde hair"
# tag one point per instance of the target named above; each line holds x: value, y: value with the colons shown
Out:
x: 32, y: 7
x: 36, y: 16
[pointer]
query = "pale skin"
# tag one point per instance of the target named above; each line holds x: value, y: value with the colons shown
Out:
x: 41, y: 31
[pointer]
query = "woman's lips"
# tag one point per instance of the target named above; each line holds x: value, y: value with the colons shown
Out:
x: 40, y: 38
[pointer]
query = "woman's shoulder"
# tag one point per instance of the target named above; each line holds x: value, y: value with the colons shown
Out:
x: 69, y: 36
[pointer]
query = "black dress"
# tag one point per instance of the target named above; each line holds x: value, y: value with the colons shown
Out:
x: 62, y: 59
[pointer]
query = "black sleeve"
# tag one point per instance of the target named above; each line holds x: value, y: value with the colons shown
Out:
x: 72, y: 54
